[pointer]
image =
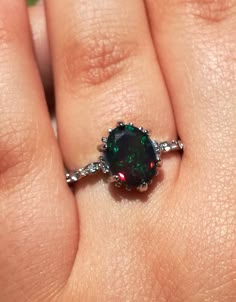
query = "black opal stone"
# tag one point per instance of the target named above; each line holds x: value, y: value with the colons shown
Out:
x: 131, y: 155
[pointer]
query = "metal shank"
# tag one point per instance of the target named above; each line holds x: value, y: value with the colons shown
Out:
x: 175, y: 145
x: 74, y: 176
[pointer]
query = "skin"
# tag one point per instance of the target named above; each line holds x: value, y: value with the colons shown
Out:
x: 38, y: 26
x: 166, y: 65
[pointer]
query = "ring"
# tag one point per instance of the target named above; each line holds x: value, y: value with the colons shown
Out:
x: 129, y: 156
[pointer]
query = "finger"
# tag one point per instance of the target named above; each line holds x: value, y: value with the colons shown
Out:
x: 195, y: 41
x: 106, y: 70
x: 40, y: 39
x: 38, y: 234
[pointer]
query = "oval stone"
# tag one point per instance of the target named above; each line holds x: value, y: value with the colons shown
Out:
x: 130, y: 155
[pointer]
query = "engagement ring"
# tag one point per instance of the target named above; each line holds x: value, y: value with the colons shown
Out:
x: 129, y: 156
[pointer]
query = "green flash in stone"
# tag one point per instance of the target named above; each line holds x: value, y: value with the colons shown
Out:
x: 131, y: 156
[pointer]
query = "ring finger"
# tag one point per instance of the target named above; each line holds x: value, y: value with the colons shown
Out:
x: 105, y: 70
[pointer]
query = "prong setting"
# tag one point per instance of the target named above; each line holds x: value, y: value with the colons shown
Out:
x: 143, y: 187
x: 104, y: 140
x: 113, y: 178
x: 145, y: 131
x: 181, y: 145
x: 102, y: 147
x: 104, y: 166
x: 128, y: 188
x: 157, y: 150
x: 118, y: 184
x: 156, y: 146
x: 121, y: 124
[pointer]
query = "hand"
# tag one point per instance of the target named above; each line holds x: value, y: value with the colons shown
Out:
x: 166, y: 65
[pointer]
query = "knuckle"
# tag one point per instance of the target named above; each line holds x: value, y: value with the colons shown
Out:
x: 97, y: 58
x: 211, y: 11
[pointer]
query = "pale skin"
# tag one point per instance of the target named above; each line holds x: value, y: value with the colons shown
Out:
x: 168, y: 66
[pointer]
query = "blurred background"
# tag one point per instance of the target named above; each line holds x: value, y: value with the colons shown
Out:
x: 41, y: 47
x: 31, y: 2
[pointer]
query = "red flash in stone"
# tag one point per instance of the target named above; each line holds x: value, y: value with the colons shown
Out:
x: 152, y: 164
x: 122, y: 177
